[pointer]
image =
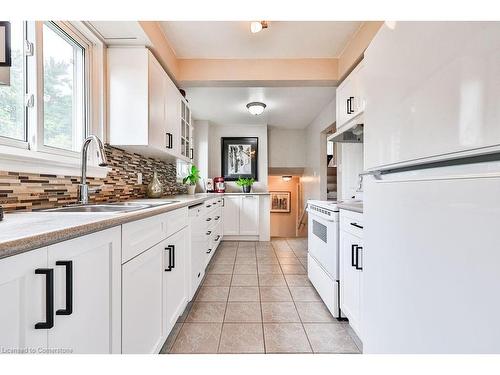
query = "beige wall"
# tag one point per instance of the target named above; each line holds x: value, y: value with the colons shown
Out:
x: 286, y: 148
x: 284, y: 224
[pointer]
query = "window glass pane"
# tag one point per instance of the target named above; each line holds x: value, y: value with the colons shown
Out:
x: 63, y: 96
x: 12, y: 97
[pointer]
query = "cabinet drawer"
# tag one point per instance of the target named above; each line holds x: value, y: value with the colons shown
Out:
x: 141, y: 235
x: 176, y: 220
x: 351, y: 222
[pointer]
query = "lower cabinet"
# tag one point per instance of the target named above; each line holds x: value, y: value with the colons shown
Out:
x: 64, y: 298
x: 351, y: 268
x: 175, y: 278
x: 241, y: 215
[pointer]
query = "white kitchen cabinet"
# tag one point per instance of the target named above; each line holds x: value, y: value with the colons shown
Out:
x: 142, y: 302
x: 147, y: 113
x: 23, y: 296
x: 232, y: 215
x: 432, y: 92
x: 249, y: 215
x: 175, y: 278
x: 351, y: 268
x: 75, y: 294
x: 350, y: 98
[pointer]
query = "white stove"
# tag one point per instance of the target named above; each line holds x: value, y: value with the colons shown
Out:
x: 323, y: 252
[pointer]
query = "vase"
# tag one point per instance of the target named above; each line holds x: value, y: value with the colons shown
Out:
x: 191, y: 189
x: 247, y: 189
x: 155, y: 188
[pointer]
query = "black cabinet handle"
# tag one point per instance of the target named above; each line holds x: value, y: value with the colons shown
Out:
x: 217, y: 238
x: 69, y: 287
x: 209, y: 251
x: 209, y: 233
x: 357, y: 225
x: 217, y: 218
x: 191, y: 156
x: 223, y: 201
x: 209, y: 219
x: 208, y: 206
x: 49, y: 298
x: 169, y: 140
x: 171, y: 257
x: 350, y: 104
x: 353, y: 248
x: 358, y: 248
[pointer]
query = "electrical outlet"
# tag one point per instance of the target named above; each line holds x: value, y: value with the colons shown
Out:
x: 139, y: 178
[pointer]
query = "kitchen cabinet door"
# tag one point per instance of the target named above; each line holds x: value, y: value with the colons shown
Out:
x: 172, y: 116
x: 142, y: 296
x: 350, y: 278
x: 249, y: 215
x: 157, y: 101
x: 232, y: 215
x: 175, y: 278
x: 87, y: 293
x: 23, y: 296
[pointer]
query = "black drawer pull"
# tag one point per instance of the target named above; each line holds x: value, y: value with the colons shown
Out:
x: 208, y: 205
x: 209, y: 233
x: 69, y: 287
x: 357, y: 225
x: 350, y: 105
x: 353, y: 248
x: 209, y: 251
x: 217, y: 218
x: 217, y: 238
x: 169, y: 140
x: 191, y: 155
x: 171, y: 257
x: 49, y: 298
x: 209, y: 219
x: 358, y: 248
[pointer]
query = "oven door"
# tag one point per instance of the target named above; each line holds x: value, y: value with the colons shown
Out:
x: 323, y: 243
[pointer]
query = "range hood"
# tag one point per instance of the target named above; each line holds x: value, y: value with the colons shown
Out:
x: 352, y: 134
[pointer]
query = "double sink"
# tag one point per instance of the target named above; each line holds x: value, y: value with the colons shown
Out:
x: 110, y: 207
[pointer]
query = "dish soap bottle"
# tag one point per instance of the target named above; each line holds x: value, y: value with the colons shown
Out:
x: 155, y: 188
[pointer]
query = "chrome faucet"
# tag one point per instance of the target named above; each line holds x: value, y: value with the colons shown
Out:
x: 83, y: 187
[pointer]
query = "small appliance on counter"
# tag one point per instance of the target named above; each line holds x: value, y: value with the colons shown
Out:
x: 209, y: 185
x: 219, y: 184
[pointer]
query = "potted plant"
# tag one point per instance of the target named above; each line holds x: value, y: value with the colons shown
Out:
x: 192, y: 179
x: 245, y: 183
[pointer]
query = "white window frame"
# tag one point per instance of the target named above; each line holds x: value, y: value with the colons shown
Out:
x: 33, y: 156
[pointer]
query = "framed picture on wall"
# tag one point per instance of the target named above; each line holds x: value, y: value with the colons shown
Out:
x: 280, y: 201
x: 239, y: 157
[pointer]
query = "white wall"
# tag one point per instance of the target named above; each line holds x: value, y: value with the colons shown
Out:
x: 201, y: 154
x: 286, y: 148
x: 218, y: 131
x: 314, y: 177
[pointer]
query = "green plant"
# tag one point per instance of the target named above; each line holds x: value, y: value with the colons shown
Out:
x: 245, y: 182
x: 193, y: 177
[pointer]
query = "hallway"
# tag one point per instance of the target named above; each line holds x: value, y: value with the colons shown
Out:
x: 256, y: 298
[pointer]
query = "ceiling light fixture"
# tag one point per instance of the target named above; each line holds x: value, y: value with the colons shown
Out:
x: 286, y: 178
x: 257, y: 26
x: 256, y: 108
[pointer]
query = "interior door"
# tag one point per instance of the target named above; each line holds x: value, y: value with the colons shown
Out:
x: 232, y: 215
x: 249, y: 215
x: 175, y: 278
x: 23, y: 293
x: 87, y: 293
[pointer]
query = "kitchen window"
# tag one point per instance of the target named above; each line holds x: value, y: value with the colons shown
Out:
x: 55, y: 97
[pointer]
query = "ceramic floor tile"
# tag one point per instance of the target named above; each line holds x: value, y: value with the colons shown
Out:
x: 293, y: 269
x: 217, y: 280
x: 241, y: 338
x: 269, y: 269
x: 274, y: 294
x: 249, y: 260
x: 245, y: 269
x: 228, y: 245
x: 223, y: 269
x: 314, y: 312
x: 285, y: 254
x: 285, y: 338
x: 171, y: 339
x: 198, y: 338
x: 267, y: 260
x: 185, y: 313
x: 245, y: 280
x: 291, y: 260
x: 330, y: 338
x: 297, y: 243
x: 304, y: 294
x: 213, y: 294
x: 237, y: 312
x: 223, y: 260
x: 297, y: 280
x: 272, y: 280
x: 274, y: 312
x: 207, y: 312
x: 244, y: 294
x: 301, y: 253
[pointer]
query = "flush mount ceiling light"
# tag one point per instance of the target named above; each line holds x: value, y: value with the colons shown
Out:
x: 286, y: 178
x: 257, y: 26
x: 256, y: 108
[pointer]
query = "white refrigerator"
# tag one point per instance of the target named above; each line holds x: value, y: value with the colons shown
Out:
x: 432, y: 210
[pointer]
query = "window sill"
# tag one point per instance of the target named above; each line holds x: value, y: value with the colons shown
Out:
x: 27, y: 161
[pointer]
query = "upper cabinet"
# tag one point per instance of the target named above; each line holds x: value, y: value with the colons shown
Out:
x: 432, y: 92
x: 351, y: 99
x: 147, y: 113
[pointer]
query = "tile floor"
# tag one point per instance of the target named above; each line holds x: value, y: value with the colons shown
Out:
x: 256, y: 298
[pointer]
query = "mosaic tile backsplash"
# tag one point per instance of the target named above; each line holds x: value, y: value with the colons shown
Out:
x: 27, y: 192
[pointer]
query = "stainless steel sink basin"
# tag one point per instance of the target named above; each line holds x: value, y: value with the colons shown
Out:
x: 110, y: 207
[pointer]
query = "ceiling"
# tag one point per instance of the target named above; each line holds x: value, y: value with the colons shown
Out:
x: 287, y: 107
x: 281, y: 40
